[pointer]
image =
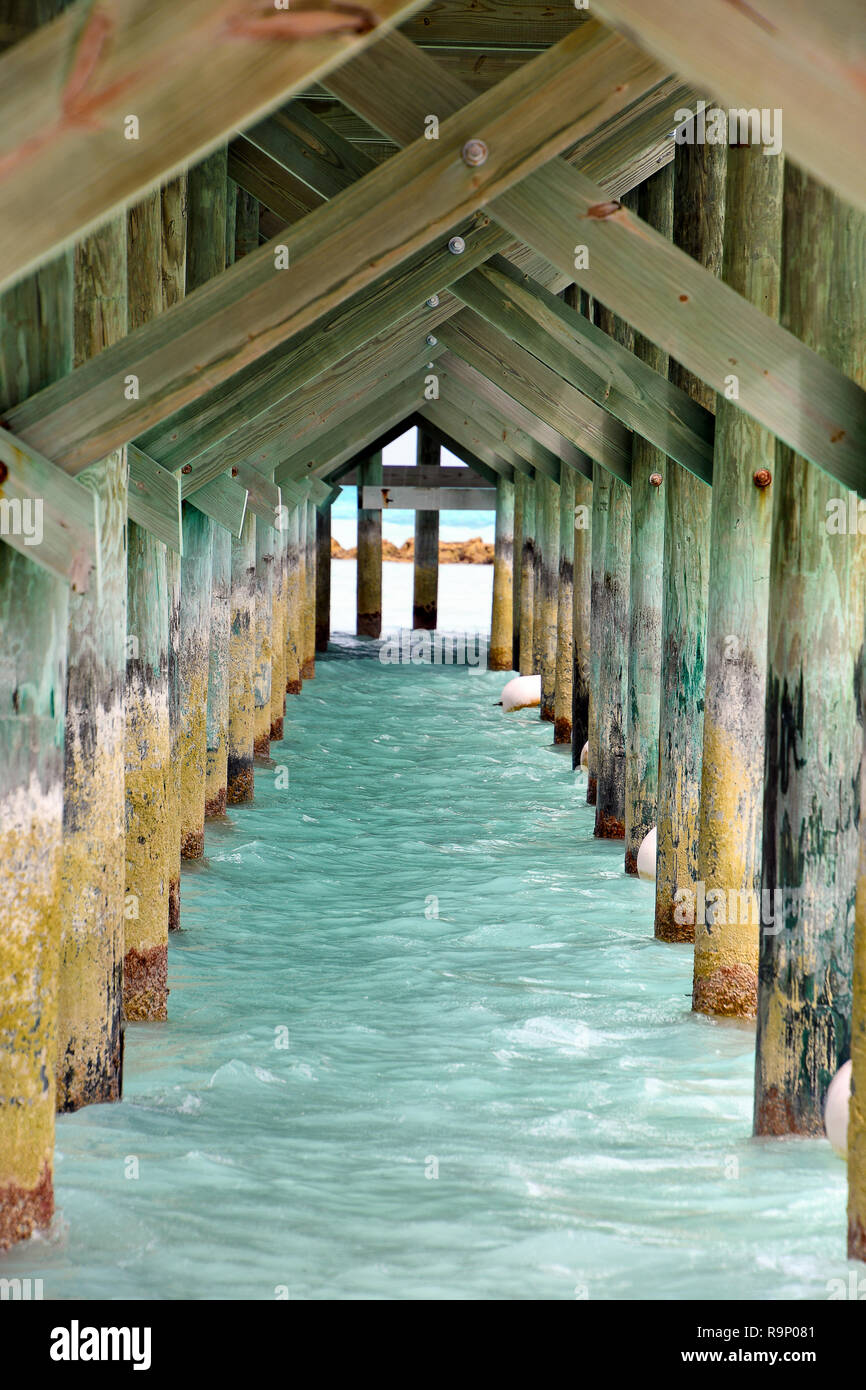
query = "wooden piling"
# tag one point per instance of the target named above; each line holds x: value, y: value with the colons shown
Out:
x: 36, y: 343
x: 527, y: 580
x: 649, y: 468
x: 216, y: 765
x: 242, y: 657
x: 601, y: 490
x: 93, y: 903
x: 194, y: 669
x: 323, y: 579
x: 516, y: 567
x: 565, y: 610
x: 294, y: 610
x: 732, y: 776
x: 502, y: 616
x: 580, y: 616
x: 265, y: 545
x: 426, y: 566
x: 278, y: 638
x: 369, y: 594
x: 547, y: 610
x: 814, y: 689
x: 699, y: 205
x: 308, y: 669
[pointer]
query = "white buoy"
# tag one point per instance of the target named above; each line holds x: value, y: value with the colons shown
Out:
x: 584, y: 756
x: 522, y: 693
x: 646, y: 857
x: 836, y: 1110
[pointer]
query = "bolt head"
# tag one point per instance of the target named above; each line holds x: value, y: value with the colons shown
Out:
x: 187, y: 468
x: 656, y: 479
x: 457, y: 246
x: 762, y: 478
x: 474, y: 152
x: 433, y: 301
x: 431, y: 341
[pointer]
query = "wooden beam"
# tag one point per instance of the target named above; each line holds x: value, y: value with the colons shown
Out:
x: 342, y: 247
x: 102, y: 104
x: 414, y: 475
x: 528, y: 24
x: 47, y: 516
x: 481, y: 459
x: 224, y: 501
x: 788, y: 56
x: 651, y: 283
x: 153, y: 499
x: 263, y: 494
x: 429, y: 499
x: 348, y: 438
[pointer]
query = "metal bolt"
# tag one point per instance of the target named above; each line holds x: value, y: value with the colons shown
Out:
x: 234, y: 472
x: 433, y: 302
x: 429, y: 366
x: 187, y: 468
x: 457, y: 246
x: 656, y: 479
x: 762, y: 478
x: 431, y: 341
x: 474, y: 152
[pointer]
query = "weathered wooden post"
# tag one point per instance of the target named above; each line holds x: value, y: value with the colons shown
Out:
x: 36, y: 343
x: 308, y: 669
x: 649, y: 466
x: 294, y: 611
x: 266, y: 539
x: 527, y: 580
x: 89, y: 1002
x: 502, y: 617
x: 599, y: 617
x: 857, y: 1105
x: 242, y: 656
x: 426, y: 567
x: 813, y: 705
x: 580, y: 616
x: 565, y: 609
x: 194, y: 668
x: 369, y: 603
x: 278, y: 636
x: 732, y: 777
x: 152, y: 802
x: 216, y: 766
x: 517, y: 565
x: 323, y: 579
x: 174, y: 238
x: 537, y: 624
x: 547, y: 610
x: 699, y: 210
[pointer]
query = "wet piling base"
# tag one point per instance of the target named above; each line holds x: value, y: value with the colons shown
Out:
x: 242, y: 656
x: 145, y: 985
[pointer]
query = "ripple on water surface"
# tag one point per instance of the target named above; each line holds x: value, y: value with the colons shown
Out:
x: 416, y: 960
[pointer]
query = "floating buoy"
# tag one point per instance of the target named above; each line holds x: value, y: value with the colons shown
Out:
x: 646, y: 857
x: 584, y: 756
x: 836, y: 1110
x: 522, y: 693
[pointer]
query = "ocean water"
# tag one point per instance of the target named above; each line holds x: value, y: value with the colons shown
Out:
x: 422, y: 1044
x: 465, y: 596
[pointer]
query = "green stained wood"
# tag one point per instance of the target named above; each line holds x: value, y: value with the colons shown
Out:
x: 458, y: 433
x: 323, y: 579
x: 278, y: 633
x: 34, y: 350
x: 154, y: 498
x: 580, y: 704
x: 649, y: 462
x: 534, y: 441
x: 565, y: 611
x: 519, y: 495
x: 344, y: 441
x: 527, y: 579
x: 293, y: 600
x: 426, y: 563
x: 47, y: 516
x: 193, y: 671
x: 814, y: 685
x: 602, y: 482
x: 369, y: 570
x: 732, y: 781
x: 613, y: 665
x: 242, y: 657
x: 501, y: 656
x: 546, y: 612
x: 263, y: 494
x: 699, y: 203
x: 308, y: 667
x: 224, y: 501
x: 216, y: 769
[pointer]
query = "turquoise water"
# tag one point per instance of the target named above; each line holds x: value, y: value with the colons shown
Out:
x: 468, y: 986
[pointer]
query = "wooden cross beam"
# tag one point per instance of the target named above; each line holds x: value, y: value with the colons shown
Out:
x: 224, y: 501
x: 47, y: 516
x: 102, y: 104
x: 344, y: 441
x: 453, y: 432
x: 153, y: 499
x: 803, y: 60
x: 372, y: 227
x: 428, y: 499
x: 645, y: 279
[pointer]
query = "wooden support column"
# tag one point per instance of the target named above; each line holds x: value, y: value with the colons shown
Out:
x: 242, y: 660
x: 502, y: 617
x: 278, y: 638
x: 293, y: 603
x: 565, y: 610
x: 517, y: 566
x: 580, y: 616
x: 426, y: 567
x: 89, y: 1003
x: 813, y: 704
x: 602, y: 482
x: 36, y: 343
x: 216, y: 763
x: 173, y: 201
x: 308, y: 669
x: 732, y: 776
x: 369, y: 603
x: 527, y: 580
x: 323, y: 579
x: 194, y: 667
x: 547, y: 608
x: 265, y: 545
x: 699, y: 211
x: 648, y: 470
